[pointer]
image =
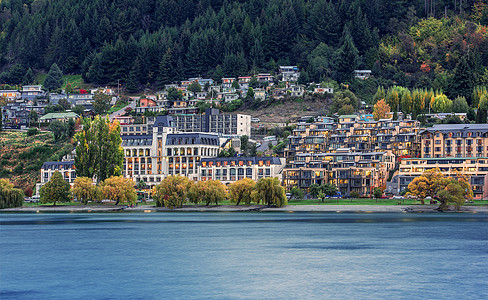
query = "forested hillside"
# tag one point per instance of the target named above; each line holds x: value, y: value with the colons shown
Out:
x: 150, y: 42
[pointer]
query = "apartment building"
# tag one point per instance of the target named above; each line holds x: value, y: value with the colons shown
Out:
x: 231, y: 169
x: 455, y: 140
x: 475, y: 168
x: 454, y: 149
x: 152, y: 157
x: 400, y: 137
x: 350, y: 171
x: 213, y: 121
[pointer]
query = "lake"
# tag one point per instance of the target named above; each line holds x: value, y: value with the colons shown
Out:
x: 250, y: 255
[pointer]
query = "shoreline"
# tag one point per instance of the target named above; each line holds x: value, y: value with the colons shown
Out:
x: 251, y: 208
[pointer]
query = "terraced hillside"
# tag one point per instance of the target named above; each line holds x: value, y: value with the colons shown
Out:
x: 22, y: 156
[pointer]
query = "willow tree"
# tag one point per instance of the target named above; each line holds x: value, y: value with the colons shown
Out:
x: 210, y: 191
x: 269, y: 191
x: 119, y: 189
x: 172, y: 191
x: 83, y: 189
x: 241, y: 190
x: 9, y: 196
x: 98, y: 151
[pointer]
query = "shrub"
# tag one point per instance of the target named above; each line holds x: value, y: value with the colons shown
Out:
x: 32, y: 131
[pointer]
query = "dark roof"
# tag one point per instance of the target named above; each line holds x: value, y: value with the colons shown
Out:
x: 136, y: 136
x: 164, y: 121
x: 192, y: 139
x: 65, y: 164
x: 272, y: 160
x: 454, y: 128
x: 136, y: 140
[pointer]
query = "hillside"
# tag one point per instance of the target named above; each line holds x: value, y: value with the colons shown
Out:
x: 149, y: 43
x: 22, y: 156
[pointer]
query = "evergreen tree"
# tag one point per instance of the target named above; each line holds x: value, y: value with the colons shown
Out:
x: 465, y: 77
x: 54, y: 79
x: 166, y: 73
x: 28, y: 77
x: 347, y: 58
x: 132, y: 83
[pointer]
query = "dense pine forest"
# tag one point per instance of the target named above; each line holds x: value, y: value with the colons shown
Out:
x: 440, y: 44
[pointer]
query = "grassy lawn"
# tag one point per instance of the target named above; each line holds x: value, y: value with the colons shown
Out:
x: 367, y: 201
x: 117, y: 106
x: 75, y: 80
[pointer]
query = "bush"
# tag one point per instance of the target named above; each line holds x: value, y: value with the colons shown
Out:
x: 32, y: 131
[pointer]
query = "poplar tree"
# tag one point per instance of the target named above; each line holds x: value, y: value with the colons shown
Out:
x: 98, y: 150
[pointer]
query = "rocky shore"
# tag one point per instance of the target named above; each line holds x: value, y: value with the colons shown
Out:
x: 233, y: 208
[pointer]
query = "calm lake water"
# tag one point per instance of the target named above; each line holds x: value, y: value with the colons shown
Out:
x: 243, y: 255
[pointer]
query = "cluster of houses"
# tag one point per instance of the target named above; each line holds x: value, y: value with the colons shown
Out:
x: 353, y: 152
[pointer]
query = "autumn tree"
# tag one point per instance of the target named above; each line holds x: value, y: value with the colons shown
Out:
x: 241, y: 190
x: 98, y: 149
x: 83, y: 189
x: 425, y: 185
x: 381, y: 110
x: 55, y: 190
x: 172, y: 191
x: 269, y: 191
x: 210, y: 191
x: 377, y: 193
x: 119, y: 189
x: 451, y: 191
x: 440, y: 103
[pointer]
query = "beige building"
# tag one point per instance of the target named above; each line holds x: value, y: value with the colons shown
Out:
x: 231, y: 169
x: 455, y: 140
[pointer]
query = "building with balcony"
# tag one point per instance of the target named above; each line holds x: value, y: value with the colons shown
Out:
x: 231, y: 169
x: 454, y: 149
x: 213, y: 121
x: 455, y: 140
x: 350, y: 171
x: 153, y: 157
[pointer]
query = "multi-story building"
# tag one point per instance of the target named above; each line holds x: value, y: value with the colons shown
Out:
x: 289, y: 73
x: 455, y: 140
x: 474, y: 168
x: 214, y: 121
x: 350, y: 171
x: 401, y: 137
x: 152, y: 157
x: 66, y: 168
x: 454, y: 149
x: 231, y: 169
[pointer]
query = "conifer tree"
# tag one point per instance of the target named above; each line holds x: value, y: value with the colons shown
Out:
x: 28, y: 77
x: 54, y: 79
x: 347, y: 57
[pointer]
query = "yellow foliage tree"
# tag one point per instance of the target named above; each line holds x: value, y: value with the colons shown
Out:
x: 381, y: 110
x: 270, y: 192
x: 172, y: 191
x: 119, y: 189
x: 241, y: 190
x: 207, y: 192
x: 425, y: 185
x: 83, y: 189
